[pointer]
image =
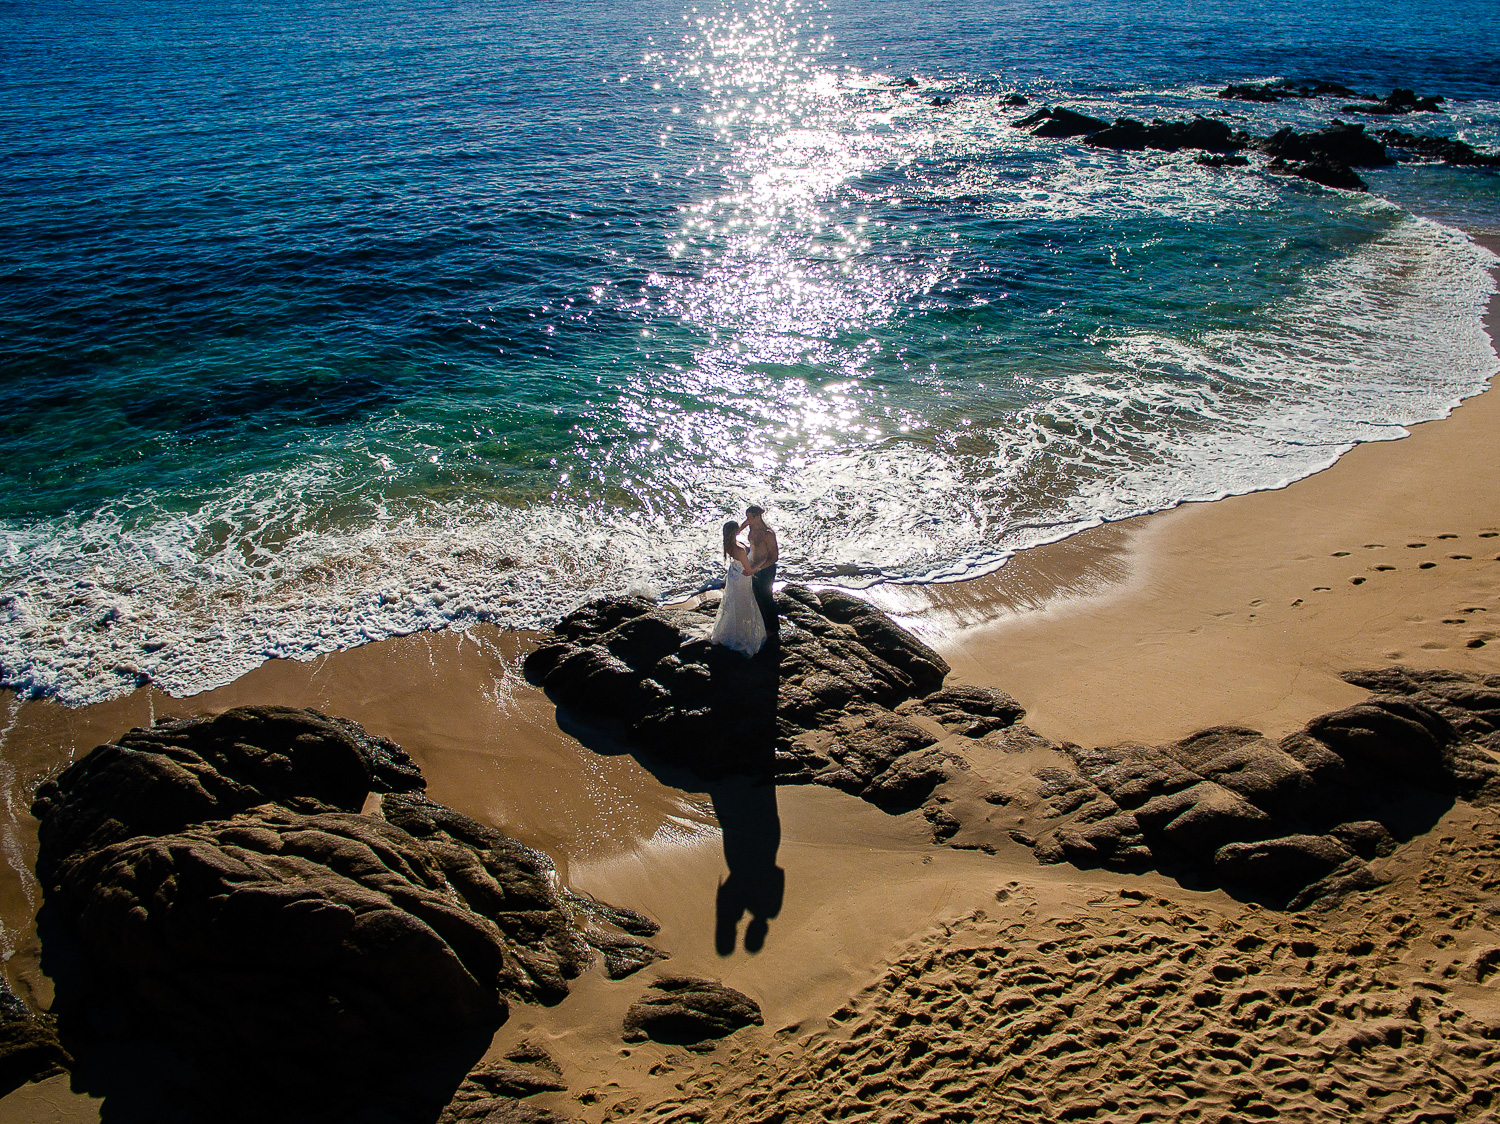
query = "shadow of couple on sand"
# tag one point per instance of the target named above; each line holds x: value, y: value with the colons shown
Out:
x: 732, y: 758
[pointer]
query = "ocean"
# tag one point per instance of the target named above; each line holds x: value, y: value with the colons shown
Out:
x: 328, y: 322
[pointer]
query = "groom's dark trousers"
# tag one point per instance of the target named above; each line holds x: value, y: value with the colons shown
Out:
x: 763, y: 582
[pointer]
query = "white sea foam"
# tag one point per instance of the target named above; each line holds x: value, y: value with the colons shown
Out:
x: 137, y: 591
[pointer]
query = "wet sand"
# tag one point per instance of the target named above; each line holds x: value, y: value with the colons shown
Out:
x: 1239, y: 611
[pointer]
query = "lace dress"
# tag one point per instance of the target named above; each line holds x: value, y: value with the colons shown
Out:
x: 739, y: 624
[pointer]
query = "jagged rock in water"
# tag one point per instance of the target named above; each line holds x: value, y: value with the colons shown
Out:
x: 1399, y: 101
x: 1231, y: 161
x: 1060, y: 123
x: 1128, y: 134
x: 687, y: 1009
x: 219, y: 888
x: 815, y: 709
x: 29, y: 1049
x: 1338, y: 144
x: 1455, y: 152
x: 1286, y: 88
x: 1329, y: 173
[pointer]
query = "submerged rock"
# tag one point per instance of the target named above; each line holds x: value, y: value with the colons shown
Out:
x: 1060, y: 123
x: 1456, y: 152
x: 217, y: 885
x: 1169, y: 136
x: 1398, y: 101
x: 1286, y: 88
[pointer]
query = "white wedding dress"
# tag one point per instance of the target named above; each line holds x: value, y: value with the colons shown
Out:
x: 739, y: 624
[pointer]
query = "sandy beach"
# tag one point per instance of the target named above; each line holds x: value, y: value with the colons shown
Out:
x: 906, y: 980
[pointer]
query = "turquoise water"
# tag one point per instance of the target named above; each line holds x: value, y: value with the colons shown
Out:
x: 325, y: 325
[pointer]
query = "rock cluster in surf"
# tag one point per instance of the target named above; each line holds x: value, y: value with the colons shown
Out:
x: 270, y: 896
x: 1328, y: 156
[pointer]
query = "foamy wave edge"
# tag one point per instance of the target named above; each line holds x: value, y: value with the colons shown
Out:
x: 91, y: 611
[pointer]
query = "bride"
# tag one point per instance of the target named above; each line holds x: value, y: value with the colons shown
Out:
x: 739, y: 624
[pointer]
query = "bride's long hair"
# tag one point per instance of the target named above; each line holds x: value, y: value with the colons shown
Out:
x: 731, y: 532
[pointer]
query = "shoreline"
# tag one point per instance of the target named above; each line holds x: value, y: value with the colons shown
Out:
x: 1240, y: 610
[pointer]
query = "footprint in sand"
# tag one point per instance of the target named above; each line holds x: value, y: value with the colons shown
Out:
x: 1461, y: 557
x: 1296, y: 602
x: 1322, y: 589
x: 1374, y: 546
x: 1415, y: 545
x: 1341, y: 554
x: 1426, y: 565
x: 1356, y: 581
x: 1478, y: 641
x: 1382, y: 567
x: 1447, y: 536
x: 1488, y: 534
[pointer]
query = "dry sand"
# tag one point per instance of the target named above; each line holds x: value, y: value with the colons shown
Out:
x: 904, y: 981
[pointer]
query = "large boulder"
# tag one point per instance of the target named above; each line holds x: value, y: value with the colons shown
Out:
x: 817, y: 708
x: 1060, y: 123
x: 271, y: 893
x: 1199, y: 820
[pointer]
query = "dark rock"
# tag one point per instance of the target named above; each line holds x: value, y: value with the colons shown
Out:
x: 1169, y: 136
x: 940, y: 102
x: 494, y: 1092
x: 223, y: 887
x: 1115, y: 842
x: 1389, y: 738
x: 29, y: 1049
x: 1281, y: 866
x: 1133, y: 774
x: 907, y: 83
x: 1327, y: 891
x: 686, y: 1009
x: 1369, y: 839
x: 1454, y: 152
x: 1232, y: 161
x: 1060, y: 123
x: 1199, y: 820
x: 1014, y: 101
x: 1263, y: 774
x: 1325, y: 172
x: 1398, y: 101
x: 971, y: 711
x: 1338, y: 144
x: 1286, y: 88
x: 814, y: 709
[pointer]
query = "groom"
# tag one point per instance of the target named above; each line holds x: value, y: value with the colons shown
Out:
x: 763, y: 555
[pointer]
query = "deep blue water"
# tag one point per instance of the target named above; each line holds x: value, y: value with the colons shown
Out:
x: 324, y: 324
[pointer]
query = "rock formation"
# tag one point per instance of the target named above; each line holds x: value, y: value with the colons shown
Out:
x: 1454, y: 152
x: 1204, y: 133
x: 29, y: 1049
x: 686, y: 1010
x: 854, y: 702
x: 1286, y: 88
x: 1399, y: 101
x: 817, y: 708
x: 271, y: 896
x: 1060, y: 123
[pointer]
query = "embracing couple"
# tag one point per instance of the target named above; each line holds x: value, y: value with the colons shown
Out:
x: 747, y: 614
